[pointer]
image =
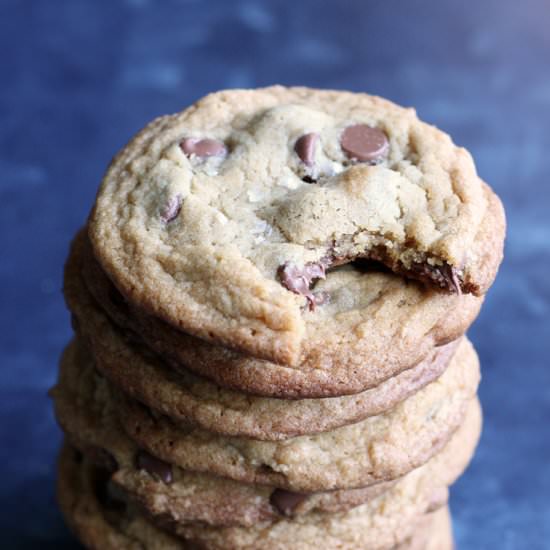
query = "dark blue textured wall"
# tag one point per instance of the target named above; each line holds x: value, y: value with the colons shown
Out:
x: 77, y: 78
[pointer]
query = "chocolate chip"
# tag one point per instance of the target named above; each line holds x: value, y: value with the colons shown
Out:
x: 203, y: 148
x: 154, y: 466
x: 286, y: 502
x: 305, y: 147
x: 455, y: 281
x: 171, y: 209
x: 364, y: 143
x: 298, y: 279
x: 445, y: 276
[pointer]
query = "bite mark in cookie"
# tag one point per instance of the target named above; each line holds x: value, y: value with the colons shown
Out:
x: 426, y: 269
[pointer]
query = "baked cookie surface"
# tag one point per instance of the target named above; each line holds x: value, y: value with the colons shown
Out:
x: 378, y: 327
x: 105, y: 520
x: 166, y: 491
x: 376, y: 449
x: 383, y: 522
x: 221, y: 219
x: 186, y: 398
x: 91, y: 424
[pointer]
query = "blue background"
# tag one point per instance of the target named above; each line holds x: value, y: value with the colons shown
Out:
x: 77, y: 78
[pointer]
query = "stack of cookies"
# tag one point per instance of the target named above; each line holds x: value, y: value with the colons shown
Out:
x: 269, y: 302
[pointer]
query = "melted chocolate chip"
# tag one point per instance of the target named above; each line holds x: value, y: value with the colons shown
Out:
x: 305, y: 148
x: 444, y: 276
x: 309, y: 179
x: 364, y: 143
x: 298, y: 279
x: 154, y: 466
x: 203, y: 148
x: 456, y: 281
x: 171, y: 209
x: 286, y: 502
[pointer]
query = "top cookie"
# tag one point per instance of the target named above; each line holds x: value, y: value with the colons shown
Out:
x: 221, y: 218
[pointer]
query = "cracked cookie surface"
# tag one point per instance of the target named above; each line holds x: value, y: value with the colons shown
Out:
x: 221, y: 218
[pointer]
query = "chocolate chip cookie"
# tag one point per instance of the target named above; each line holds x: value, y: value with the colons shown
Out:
x: 383, y: 522
x: 376, y: 449
x: 90, y: 422
x: 99, y: 513
x: 189, y: 399
x: 230, y: 219
x: 376, y: 327
x: 166, y: 491
x: 102, y: 518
